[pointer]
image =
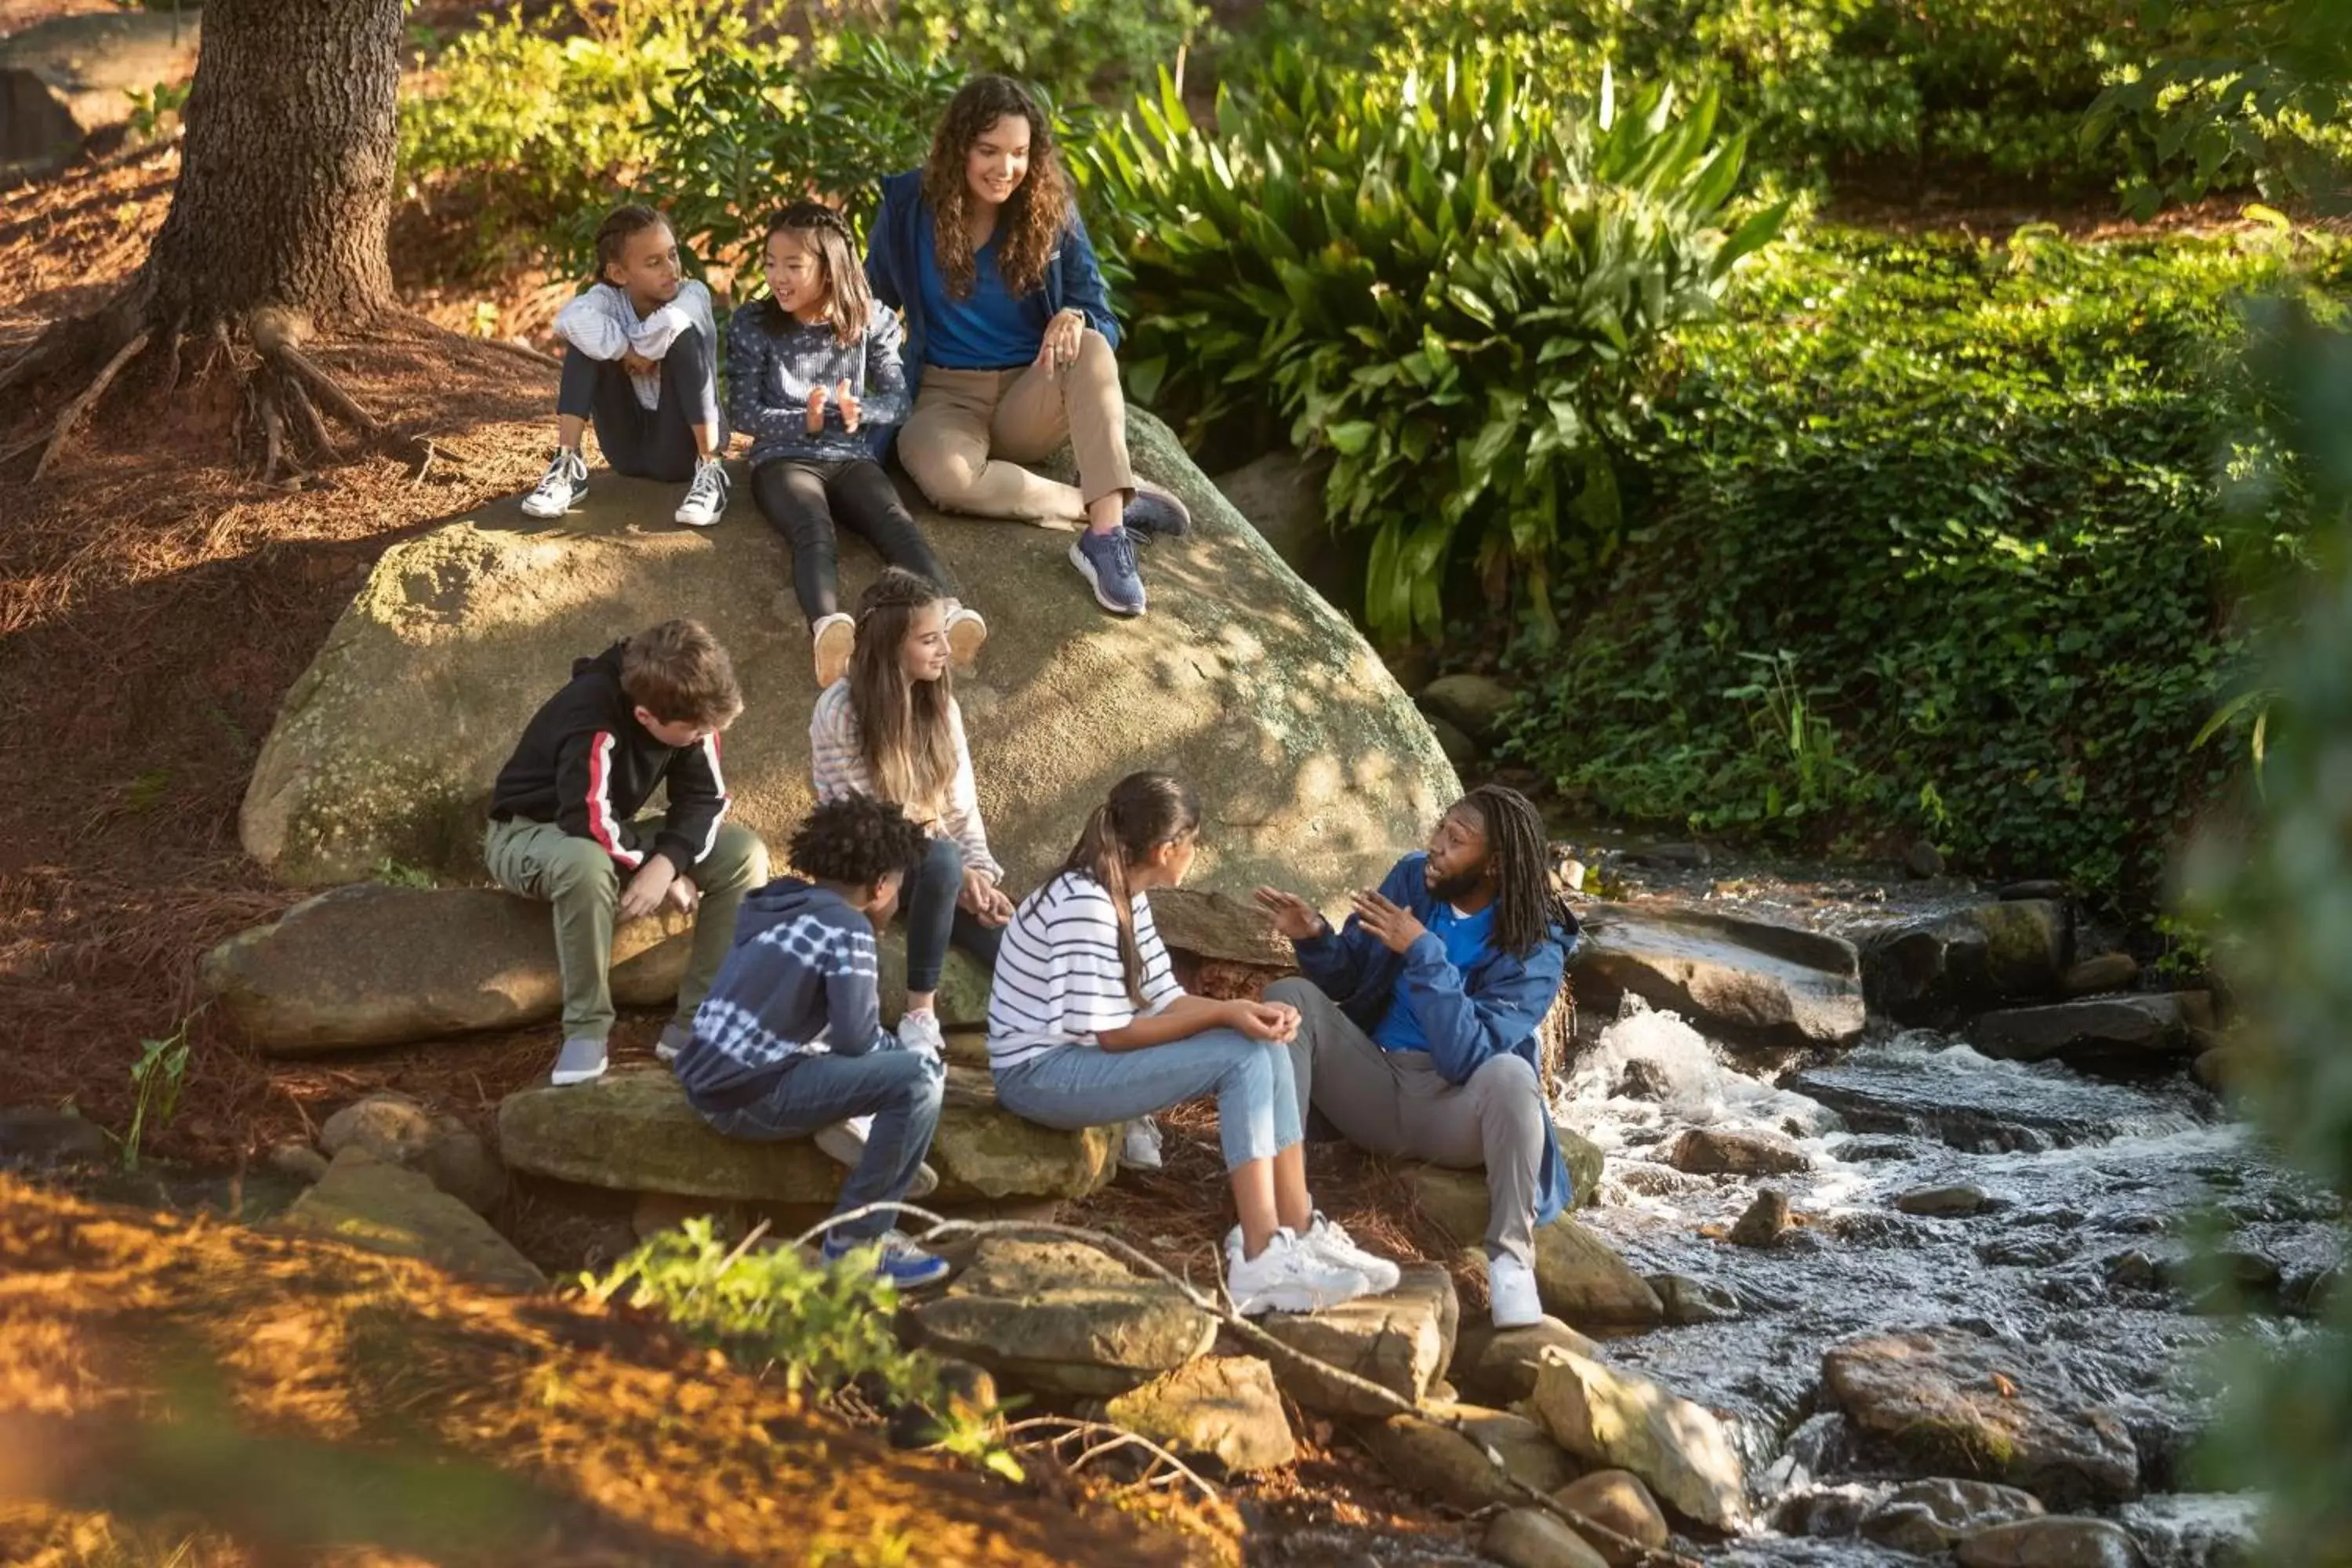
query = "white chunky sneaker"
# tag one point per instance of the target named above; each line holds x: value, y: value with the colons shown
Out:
x: 1331, y: 1243
x: 920, y: 1032
x: 1286, y: 1278
x: 844, y: 1143
x: 560, y: 489
x: 706, y: 498
x: 1511, y: 1292
x: 1138, y: 1149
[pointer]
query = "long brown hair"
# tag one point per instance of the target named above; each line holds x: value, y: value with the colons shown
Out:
x: 905, y: 728
x: 825, y: 234
x: 1031, y: 222
x: 1144, y: 811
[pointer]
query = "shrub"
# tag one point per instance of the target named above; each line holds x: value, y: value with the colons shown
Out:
x: 1453, y: 283
x: 1070, y: 45
x: 1964, y: 496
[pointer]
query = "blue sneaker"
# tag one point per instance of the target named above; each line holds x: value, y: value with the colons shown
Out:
x: 897, y: 1259
x: 1106, y: 561
x: 1156, y: 509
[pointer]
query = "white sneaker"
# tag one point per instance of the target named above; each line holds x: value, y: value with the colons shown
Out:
x: 706, y: 498
x: 1139, y: 1150
x: 1330, y: 1242
x: 834, y: 639
x: 1286, y: 1278
x: 675, y: 1038
x: 1511, y: 1292
x: 966, y: 632
x: 560, y: 489
x: 845, y: 1141
x: 920, y: 1032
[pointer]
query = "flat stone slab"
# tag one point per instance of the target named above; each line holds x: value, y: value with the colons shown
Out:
x: 1985, y: 1409
x: 1061, y: 1316
x: 1403, y: 1341
x: 633, y: 1132
x: 1739, y: 976
x: 384, y: 1208
x: 1619, y: 1420
x: 2156, y: 1024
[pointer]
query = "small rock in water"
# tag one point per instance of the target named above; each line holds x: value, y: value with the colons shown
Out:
x: 1616, y: 1500
x: 2060, y: 1542
x: 1689, y: 1301
x: 1530, y: 1538
x: 298, y: 1160
x: 1923, y: 859
x: 1642, y: 1078
x: 1705, y: 1152
x: 1928, y: 1518
x: 2041, y: 888
x: 1766, y: 1218
x: 2196, y: 1530
x: 1945, y: 1203
x: 2107, y: 972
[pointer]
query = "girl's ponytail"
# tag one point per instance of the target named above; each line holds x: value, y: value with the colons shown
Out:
x: 1144, y: 811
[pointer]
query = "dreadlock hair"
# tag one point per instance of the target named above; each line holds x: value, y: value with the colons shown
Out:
x: 1526, y: 908
x: 1144, y: 811
x: 1030, y: 224
x: 825, y: 234
x: 855, y: 841
x: 622, y: 225
x: 905, y: 729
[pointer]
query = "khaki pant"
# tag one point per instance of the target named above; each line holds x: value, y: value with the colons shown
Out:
x: 1395, y: 1104
x: 540, y: 860
x: 972, y: 429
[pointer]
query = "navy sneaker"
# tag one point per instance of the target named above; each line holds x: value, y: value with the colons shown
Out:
x: 896, y: 1258
x: 1155, y: 509
x: 1106, y: 561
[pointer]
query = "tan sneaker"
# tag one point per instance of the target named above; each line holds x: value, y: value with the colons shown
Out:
x: 966, y: 632
x: 835, y: 637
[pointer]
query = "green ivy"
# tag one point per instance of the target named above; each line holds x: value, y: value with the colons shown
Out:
x: 1963, y: 495
x: 1453, y: 282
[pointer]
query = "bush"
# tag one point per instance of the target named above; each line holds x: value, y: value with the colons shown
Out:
x: 1961, y: 497
x: 1071, y: 45
x: 527, y: 123
x: 1453, y: 283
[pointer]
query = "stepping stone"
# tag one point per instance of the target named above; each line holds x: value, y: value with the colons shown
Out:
x: 635, y: 1132
x: 1498, y: 1365
x: 1703, y: 1152
x: 1403, y: 1341
x: 1062, y: 1318
x: 1619, y: 1420
x: 384, y: 1208
x: 1220, y: 1407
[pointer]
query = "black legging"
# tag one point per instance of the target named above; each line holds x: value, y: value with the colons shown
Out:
x: 643, y: 443
x: 805, y: 497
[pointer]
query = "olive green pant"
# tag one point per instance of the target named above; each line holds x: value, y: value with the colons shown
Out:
x: 540, y: 860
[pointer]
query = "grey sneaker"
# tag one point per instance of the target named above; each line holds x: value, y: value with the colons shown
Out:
x: 1106, y: 561
x: 582, y: 1060
x: 673, y: 1040
x: 560, y: 489
x: 1156, y: 509
x: 706, y: 498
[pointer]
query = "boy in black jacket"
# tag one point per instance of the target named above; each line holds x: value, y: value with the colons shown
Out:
x: 562, y: 821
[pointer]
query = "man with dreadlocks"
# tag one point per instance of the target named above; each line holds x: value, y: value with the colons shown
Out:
x: 1418, y: 1018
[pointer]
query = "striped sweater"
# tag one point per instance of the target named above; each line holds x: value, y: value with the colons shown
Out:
x: 1059, y: 980
x: 837, y: 759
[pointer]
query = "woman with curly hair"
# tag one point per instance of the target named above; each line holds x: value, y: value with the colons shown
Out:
x: 1009, y: 338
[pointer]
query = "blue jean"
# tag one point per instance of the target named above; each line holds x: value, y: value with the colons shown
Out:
x: 934, y: 919
x: 1072, y: 1087
x: 902, y: 1091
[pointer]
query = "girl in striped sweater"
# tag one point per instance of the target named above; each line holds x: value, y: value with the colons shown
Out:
x: 1087, y: 1026
x: 892, y: 730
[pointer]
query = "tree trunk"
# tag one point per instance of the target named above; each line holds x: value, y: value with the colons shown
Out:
x: 286, y: 175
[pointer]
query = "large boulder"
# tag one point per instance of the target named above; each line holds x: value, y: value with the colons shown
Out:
x: 1969, y: 959
x: 1985, y: 1408
x: 386, y: 1208
x: 1750, y: 979
x: 2144, y: 1031
x: 1619, y: 1420
x: 65, y: 79
x: 1315, y: 767
x: 1060, y: 1317
x: 633, y: 1132
x: 1281, y: 496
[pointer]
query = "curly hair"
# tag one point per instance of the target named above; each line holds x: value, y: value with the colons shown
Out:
x: 825, y: 234
x: 856, y: 840
x: 905, y: 729
x: 1033, y: 217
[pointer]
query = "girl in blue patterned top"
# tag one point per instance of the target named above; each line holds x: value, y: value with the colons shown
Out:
x: 814, y: 374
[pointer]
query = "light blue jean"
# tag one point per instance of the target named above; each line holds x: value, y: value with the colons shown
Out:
x: 1072, y: 1087
x: 901, y: 1089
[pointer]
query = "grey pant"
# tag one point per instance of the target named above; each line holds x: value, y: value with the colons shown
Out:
x: 1395, y: 1104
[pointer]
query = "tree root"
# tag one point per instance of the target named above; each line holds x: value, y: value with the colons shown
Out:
x: 53, y: 440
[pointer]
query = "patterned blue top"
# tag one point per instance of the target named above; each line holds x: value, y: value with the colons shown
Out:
x: 770, y: 370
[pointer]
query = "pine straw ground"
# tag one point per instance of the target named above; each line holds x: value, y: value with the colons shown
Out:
x: 214, y: 1397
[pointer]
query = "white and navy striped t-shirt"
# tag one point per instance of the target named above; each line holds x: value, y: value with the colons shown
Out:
x: 1058, y: 978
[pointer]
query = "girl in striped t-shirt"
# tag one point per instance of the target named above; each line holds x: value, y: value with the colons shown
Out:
x: 1086, y: 1026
